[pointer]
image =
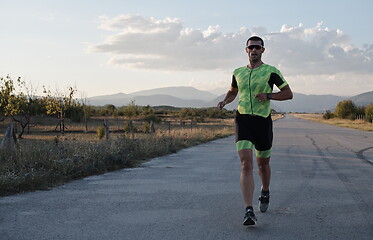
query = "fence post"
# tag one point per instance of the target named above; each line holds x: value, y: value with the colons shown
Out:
x: 106, y: 124
x: 86, y: 124
x: 152, y: 128
x: 9, y: 140
x: 131, y: 128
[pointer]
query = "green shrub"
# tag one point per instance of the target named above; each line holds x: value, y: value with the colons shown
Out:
x: 146, y: 127
x: 328, y: 115
x: 131, y: 110
x: 75, y: 113
x: 127, y: 127
x: 153, y: 118
x: 346, y: 109
x: 100, y: 132
x: 369, y: 113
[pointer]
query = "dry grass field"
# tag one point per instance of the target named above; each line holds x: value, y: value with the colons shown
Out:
x: 44, y: 158
x: 355, y: 124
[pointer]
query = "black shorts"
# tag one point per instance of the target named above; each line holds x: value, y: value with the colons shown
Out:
x: 256, y: 129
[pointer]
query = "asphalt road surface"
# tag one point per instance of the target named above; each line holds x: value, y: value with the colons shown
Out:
x: 321, y: 188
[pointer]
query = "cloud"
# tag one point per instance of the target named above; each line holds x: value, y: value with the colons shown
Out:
x: 139, y: 42
x: 318, y: 50
x: 164, y: 44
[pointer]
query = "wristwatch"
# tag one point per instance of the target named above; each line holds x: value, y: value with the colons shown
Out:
x: 269, y: 95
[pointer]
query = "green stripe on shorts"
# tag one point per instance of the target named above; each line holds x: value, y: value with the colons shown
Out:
x: 263, y: 154
x: 244, y: 144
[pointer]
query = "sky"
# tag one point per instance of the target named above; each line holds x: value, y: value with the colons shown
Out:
x: 111, y: 46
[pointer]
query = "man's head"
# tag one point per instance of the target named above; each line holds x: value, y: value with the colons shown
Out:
x: 255, y: 48
x: 256, y: 39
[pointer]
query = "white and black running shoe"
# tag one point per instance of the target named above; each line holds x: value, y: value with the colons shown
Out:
x: 264, y: 201
x: 249, y: 218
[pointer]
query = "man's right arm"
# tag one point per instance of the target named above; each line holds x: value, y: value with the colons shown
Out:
x: 229, y: 97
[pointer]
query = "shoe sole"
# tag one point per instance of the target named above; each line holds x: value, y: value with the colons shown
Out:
x: 249, y: 222
x: 263, y: 207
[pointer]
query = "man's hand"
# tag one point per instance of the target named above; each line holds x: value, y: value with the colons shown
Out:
x: 261, y: 97
x: 221, y: 104
x: 284, y: 94
x: 231, y: 95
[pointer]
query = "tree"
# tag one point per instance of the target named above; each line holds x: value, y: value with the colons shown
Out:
x: 9, y: 101
x: 147, y: 110
x: 110, y: 109
x: 346, y: 109
x: 58, y: 104
x: 18, y: 102
x: 328, y: 114
x: 369, y: 113
x: 75, y: 112
x: 131, y: 110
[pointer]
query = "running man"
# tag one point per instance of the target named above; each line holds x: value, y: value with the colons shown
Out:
x: 254, y: 84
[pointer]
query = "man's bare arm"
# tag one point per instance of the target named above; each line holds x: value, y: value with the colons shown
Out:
x: 284, y: 94
x: 231, y: 95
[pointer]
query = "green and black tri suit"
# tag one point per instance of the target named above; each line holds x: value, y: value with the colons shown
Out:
x: 253, y: 118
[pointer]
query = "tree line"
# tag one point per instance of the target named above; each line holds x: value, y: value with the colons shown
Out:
x: 347, y: 109
x: 19, y: 102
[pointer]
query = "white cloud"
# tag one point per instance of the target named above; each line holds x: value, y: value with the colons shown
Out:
x: 167, y: 45
x: 317, y: 51
x: 147, y: 43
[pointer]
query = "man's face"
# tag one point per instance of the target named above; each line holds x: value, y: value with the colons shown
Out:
x: 254, y: 49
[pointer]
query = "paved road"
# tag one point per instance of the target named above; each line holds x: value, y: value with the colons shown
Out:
x: 321, y: 189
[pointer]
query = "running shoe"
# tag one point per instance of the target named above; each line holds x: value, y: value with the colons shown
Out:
x: 249, y: 218
x: 264, y: 201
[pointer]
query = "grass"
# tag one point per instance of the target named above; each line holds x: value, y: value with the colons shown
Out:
x: 355, y: 124
x: 43, y: 159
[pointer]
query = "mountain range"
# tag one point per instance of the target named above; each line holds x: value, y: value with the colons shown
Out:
x: 191, y: 97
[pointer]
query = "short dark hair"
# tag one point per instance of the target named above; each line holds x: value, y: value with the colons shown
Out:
x: 255, y: 38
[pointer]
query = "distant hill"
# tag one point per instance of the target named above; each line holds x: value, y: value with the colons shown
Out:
x: 108, y: 99
x: 363, y: 99
x: 309, y: 103
x: 178, y: 92
x: 160, y: 100
x: 152, y: 100
x: 191, y: 97
x: 175, y: 96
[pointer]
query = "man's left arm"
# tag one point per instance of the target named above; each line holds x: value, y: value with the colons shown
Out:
x: 285, y: 93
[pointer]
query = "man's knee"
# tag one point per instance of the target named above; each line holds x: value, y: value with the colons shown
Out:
x: 246, y: 164
x: 246, y: 157
x: 263, y: 162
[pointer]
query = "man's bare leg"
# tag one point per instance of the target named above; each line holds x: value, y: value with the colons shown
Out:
x: 247, y: 185
x: 264, y: 172
x: 247, y: 178
x: 265, y: 175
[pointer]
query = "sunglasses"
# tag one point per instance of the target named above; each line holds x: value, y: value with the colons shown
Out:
x: 257, y: 47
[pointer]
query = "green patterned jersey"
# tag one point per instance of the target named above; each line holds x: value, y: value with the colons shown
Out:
x: 253, y: 81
